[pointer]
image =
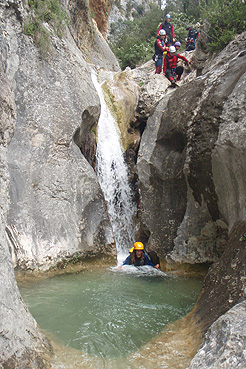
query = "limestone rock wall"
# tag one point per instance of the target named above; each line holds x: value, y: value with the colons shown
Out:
x: 21, y: 344
x: 101, y: 11
x: 54, y: 191
x: 86, y: 32
x: 190, y: 162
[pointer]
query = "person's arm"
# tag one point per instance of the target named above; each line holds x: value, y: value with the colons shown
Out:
x: 126, y: 262
x: 173, y: 33
x: 160, y: 27
x: 183, y: 58
x: 156, y: 266
x: 148, y: 262
x: 159, y: 45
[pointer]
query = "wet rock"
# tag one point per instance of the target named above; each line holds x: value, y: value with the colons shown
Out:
x: 122, y: 93
x: 224, y: 345
x: 224, y: 285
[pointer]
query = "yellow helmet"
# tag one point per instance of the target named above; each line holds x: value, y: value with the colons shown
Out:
x: 138, y: 246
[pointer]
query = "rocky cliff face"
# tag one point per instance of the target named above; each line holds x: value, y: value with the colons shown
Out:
x: 224, y: 345
x: 185, y: 159
x: 54, y: 191
x: 192, y: 198
x: 21, y: 343
x: 84, y: 30
x: 101, y: 10
x: 51, y: 203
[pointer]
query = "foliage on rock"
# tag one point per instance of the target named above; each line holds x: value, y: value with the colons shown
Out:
x: 133, y: 41
x: 41, y: 12
x: 226, y: 19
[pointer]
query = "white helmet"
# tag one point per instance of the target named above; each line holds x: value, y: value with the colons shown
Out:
x: 172, y: 49
x: 162, y: 32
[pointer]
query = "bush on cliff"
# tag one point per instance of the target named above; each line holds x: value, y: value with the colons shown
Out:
x: 226, y: 19
x: 133, y: 41
x: 47, y: 11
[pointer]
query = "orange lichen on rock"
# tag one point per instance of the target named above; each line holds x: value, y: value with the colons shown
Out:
x: 100, y: 10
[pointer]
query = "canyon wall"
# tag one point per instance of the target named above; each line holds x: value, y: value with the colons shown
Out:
x: 192, y: 144
x: 57, y: 207
x: 52, y: 206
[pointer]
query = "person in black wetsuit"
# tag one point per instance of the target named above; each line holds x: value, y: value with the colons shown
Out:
x: 138, y: 257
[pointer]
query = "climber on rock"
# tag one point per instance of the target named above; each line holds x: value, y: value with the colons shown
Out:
x: 169, y: 28
x: 170, y: 68
x: 138, y: 257
x: 193, y: 34
x: 160, y: 48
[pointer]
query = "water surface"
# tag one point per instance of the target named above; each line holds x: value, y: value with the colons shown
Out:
x: 107, y: 313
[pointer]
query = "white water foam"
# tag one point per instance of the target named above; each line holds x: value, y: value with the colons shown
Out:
x: 112, y: 175
x: 141, y: 271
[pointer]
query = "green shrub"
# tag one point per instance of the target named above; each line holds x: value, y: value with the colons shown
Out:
x: 133, y: 41
x: 226, y: 20
x: 44, y: 11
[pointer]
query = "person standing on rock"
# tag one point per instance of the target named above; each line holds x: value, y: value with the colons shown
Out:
x: 170, y: 68
x: 193, y: 34
x: 160, y: 48
x: 169, y: 28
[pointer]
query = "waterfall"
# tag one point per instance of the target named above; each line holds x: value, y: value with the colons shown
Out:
x: 112, y: 175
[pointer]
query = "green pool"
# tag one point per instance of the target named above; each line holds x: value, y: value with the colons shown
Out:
x: 109, y: 313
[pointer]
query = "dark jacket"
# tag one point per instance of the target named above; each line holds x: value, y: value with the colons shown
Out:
x: 139, y: 262
x: 160, y: 46
x: 169, y: 28
x: 193, y: 33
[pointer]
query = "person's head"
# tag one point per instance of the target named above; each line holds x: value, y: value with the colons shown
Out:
x: 168, y: 18
x: 172, y: 50
x: 162, y: 34
x: 197, y: 25
x: 177, y: 45
x: 139, y: 249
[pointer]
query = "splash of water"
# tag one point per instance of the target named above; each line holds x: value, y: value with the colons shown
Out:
x: 112, y: 175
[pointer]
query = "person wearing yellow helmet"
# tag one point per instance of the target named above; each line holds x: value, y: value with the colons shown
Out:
x: 138, y: 257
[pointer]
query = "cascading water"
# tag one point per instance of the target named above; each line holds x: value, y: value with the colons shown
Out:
x: 112, y: 175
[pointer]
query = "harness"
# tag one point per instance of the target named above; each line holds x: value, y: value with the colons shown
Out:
x: 172, y: 63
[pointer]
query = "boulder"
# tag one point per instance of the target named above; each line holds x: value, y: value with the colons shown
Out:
x: 224, y: 344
